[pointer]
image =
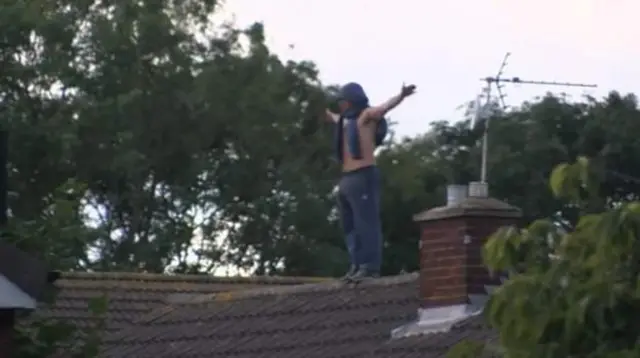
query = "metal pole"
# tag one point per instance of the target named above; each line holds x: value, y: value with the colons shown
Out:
x: 485, y: 145
x: 483, y: 111
x: 4, y: 174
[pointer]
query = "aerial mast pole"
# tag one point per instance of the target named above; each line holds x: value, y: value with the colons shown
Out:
x: 481, y: 109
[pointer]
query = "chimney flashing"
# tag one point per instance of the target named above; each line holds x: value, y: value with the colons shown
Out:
x: 443, y: 319
x: 436, y: 320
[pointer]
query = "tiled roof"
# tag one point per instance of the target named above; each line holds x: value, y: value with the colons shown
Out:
x: 134, y: 295
x: 325, y: 320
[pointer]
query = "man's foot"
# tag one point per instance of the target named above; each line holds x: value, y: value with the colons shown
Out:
x: 364, y: 273
x: 352, y: 271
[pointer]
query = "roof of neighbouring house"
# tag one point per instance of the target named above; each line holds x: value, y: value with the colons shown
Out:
x: 320, y: 320
x: 25, y: 271
x: 131, y: 296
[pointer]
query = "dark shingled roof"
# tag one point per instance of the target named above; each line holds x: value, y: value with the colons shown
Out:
x: 134, y: 295
x: 325, y: 320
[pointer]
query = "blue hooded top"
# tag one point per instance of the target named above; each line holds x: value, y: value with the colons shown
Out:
x: 355, y: 95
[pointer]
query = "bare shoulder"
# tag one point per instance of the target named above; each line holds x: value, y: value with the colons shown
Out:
x: 367, y: 116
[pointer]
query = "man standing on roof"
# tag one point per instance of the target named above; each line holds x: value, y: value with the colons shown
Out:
x: 360, y: 128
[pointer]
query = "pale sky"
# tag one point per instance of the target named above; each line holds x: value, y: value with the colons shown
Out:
x: 445, y: 47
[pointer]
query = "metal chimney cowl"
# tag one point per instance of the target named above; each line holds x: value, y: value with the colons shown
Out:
x: 456, y: 194
x: 478, y: 189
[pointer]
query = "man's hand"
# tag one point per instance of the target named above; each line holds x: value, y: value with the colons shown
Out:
x: 378, y: 112
x: 407, y: 91
x: 331, y: 117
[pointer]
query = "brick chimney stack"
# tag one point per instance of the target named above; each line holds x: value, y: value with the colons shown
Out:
x: 453, y: 281
x: 451, y: 240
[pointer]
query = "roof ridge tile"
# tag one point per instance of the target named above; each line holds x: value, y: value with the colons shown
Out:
x: 162, y: 277
x: 327, y: 285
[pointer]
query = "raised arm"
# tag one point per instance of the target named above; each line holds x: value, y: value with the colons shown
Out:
x: 378, y: 112
x: 331, y: 117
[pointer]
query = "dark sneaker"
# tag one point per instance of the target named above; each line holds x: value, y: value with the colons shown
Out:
x: 352, y: 271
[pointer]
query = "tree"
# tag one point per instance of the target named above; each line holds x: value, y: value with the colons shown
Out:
x: 198, y: 148
x: 569, y: 293
x: 42, y: 338
x: 35, y: 336
x: 169, y: 128
x: 525, y: 144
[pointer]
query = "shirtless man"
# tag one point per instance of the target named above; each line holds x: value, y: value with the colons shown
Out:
x: 360, y: 128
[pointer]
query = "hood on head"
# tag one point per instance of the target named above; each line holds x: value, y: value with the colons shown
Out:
x: 354, y: 93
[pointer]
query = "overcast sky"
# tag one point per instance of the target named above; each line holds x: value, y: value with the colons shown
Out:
x: 446, y: 46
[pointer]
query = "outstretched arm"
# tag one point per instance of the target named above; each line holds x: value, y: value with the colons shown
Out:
x: 378, y: 112
x: 331, y: 117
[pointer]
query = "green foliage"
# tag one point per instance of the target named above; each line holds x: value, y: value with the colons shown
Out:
x: 570, y: 293
x: 38, y: 337
x: 171, y: 131
x: 170, y: 123
x: 41, y: 337
x: 92, y: 338
x: 133, y: 129
x: 413, y: 179
x: 59, y: 234
x: 526, y: 144
x: 472, y: 349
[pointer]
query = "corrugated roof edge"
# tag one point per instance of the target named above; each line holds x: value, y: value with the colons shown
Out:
x: 330, y: 285
x: 156, y: 277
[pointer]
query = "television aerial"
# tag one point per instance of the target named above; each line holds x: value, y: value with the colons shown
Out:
x: 484, y: 110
